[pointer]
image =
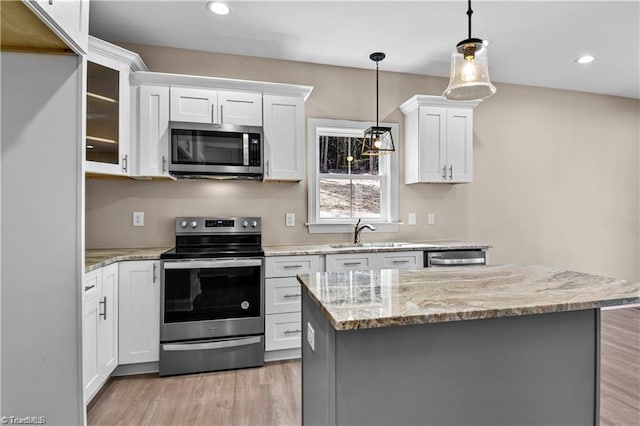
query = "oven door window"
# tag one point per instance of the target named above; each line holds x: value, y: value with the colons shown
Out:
x: 200, y: 294
x: 207, y: 147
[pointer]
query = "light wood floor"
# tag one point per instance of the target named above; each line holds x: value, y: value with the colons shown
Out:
x: 271, y: 395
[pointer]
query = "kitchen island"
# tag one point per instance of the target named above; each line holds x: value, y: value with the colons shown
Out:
x: 459, y: 346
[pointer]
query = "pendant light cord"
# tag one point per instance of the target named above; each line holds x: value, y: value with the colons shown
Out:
x: 469, y: 13
x: 377, y: 93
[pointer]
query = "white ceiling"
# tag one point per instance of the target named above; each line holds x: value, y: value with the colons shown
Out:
x: 532, y: 42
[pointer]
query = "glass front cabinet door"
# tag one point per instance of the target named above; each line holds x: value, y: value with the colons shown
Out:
x: 107, y: 140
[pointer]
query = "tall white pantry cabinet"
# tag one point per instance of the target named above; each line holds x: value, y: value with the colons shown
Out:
x: 438, y: 140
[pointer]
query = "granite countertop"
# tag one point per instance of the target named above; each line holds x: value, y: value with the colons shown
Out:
x: 367, y: 247
x: 383, y: 298
x: 97, y: 258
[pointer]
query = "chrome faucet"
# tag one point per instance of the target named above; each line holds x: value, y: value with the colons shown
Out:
x: 358, y: 229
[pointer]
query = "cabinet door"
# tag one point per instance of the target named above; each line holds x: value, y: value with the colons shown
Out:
x: 350, y: 262
x: 240, y: 108
x: 139, y: 325
x: 153, y: 131
x: 459, y: 145
x: 284, y: 137
x: 108, y: 94
x: 92, y: 290
x: 108, y: 322
x: 432, y: 143
x: 194, y: 105
x: 282, y: 331
x: 68, y: 19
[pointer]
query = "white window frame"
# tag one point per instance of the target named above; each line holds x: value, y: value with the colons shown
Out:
x: 388, y: 165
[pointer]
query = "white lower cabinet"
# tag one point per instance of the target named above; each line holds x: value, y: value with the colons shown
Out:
x: 284, y: 331
x: 139, y: 325
x: 282, y: 328
x: 99, y: 328
x: 350, y: 262
x: 401, y: 260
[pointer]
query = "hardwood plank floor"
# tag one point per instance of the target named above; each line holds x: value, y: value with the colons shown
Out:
x: 271, y: 395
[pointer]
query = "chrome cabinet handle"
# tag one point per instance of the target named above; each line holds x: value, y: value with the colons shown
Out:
x: 221, y: 116
x: 103, y: 302
x: 450, y: 172
x: 292, y: 331
x: 289, y: 296
x: 352, y: 263
x: 291, y: 266
x: 400, y: 261
x: 213, y: 113
x: 89, y: 287
x: 164, y: 164
x: 50, y: 2
x: 444, y: 171
x: 267, y: 167
x: 154, y: 272
x: 124, y: 163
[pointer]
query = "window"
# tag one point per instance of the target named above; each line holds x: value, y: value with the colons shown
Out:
x: 345, y: 185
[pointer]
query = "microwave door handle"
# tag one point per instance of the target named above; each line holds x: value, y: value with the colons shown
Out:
x: 245, y: 149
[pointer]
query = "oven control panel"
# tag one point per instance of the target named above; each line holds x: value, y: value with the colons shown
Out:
x: 217, y: 225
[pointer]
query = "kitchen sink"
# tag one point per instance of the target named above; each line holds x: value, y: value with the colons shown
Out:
x: 369, y: 245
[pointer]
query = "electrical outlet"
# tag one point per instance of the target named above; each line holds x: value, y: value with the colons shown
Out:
x: 431, y: 219
x: 412, y: 218
x: 290, y: 219
x: 138, y: 218
x: 311, y: 337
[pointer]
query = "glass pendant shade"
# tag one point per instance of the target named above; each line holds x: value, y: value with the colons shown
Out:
x: 377, y: 141
x: 469, y: 72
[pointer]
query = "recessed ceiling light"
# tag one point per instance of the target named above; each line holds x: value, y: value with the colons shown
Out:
x: 218, y: 8
x: 585, y: 59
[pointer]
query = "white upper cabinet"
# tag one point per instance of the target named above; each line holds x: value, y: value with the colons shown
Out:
x: 150, y: 130
x: 438, y: 140
x: 240, y: 108
x: 68, y: 19
x: 194, y: 105
x: 200, y: 105
x: 108, y: 108
x: 283, y: 137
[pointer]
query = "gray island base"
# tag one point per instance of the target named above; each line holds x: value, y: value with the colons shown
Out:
x: 425, y: 348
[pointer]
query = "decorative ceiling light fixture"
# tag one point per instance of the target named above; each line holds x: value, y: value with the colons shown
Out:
x: 218, y: 8
x: 469, y: 70
x: 377, y: 140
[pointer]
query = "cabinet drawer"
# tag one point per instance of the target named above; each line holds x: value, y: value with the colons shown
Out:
x: 92, y: 284
x: 282, y: 331
x: 401, y: 260
x: 350, y: 262
x: 290, y: 266
x: 282, y: 295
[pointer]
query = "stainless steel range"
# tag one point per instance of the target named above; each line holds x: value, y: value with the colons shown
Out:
x: 212, y: 296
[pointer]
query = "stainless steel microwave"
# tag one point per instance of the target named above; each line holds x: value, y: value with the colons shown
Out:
x: 221, y: 151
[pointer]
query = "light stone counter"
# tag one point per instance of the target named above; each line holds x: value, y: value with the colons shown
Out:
x: 367, y: 247
x: 97, y: 258
x: 382, y: 298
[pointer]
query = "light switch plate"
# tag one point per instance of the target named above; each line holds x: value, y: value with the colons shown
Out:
x: 311, y: 337
x: 412, y: 218
x: 138, y: 218
x: 431, y: 219
x: 290, y: 219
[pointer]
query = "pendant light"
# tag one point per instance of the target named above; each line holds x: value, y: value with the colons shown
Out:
x: 377, y: 140
x: 469, y: 70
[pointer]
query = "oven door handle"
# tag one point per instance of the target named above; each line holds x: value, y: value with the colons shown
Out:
x: 170, y: 347
x: 222, y: 263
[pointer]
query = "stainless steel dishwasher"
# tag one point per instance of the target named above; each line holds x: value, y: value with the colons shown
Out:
x: 454, y: 258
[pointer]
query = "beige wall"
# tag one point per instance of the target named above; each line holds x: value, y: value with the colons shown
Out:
x: 553, y: 171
